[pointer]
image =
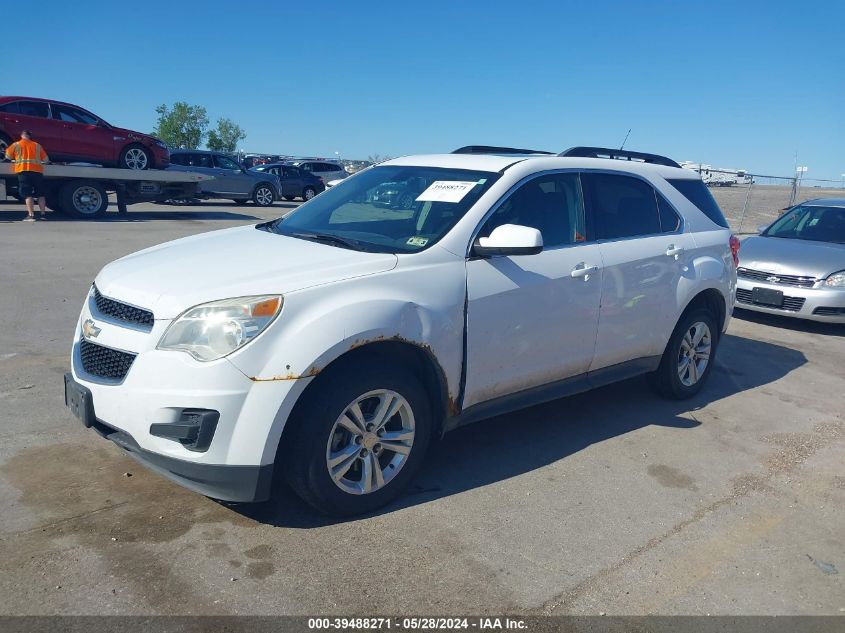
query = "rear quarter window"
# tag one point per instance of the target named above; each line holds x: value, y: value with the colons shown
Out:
x: 696, y: 192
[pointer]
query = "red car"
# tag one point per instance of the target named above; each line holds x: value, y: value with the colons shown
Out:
x: 71, y: 134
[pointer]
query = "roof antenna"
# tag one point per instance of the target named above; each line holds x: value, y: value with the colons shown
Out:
x: 626, y: 139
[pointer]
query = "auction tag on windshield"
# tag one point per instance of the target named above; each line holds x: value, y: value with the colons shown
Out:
x: 446, y: 191
x: 417, y: 241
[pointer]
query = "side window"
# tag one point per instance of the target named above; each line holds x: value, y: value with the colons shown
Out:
x: 178, y: 159
x: 72, y: 115
x: 224, y: 162
x: 551, y: 204
x: 619, y: 206
x: 696, y: 192
x: 306, y: 166
x: 34, y: 108
x: 198, y: 160
x: 669, y: 219
x: 10, y: 108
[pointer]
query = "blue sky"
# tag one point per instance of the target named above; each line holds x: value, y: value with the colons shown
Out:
x: 735, y: 84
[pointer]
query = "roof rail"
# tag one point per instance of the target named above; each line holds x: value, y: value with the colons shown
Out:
x: 619, y: 154
x: 493, y: 149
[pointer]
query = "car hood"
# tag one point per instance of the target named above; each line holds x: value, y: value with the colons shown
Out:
x: 172, y: 277
x: 133, y: 135
x: 792, y: 256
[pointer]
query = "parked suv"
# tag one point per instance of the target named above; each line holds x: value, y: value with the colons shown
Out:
x: 72, y: 134
x: 335, y: 343
x: 325, y: 170
x: 231, y: 180
x: 295, y: 182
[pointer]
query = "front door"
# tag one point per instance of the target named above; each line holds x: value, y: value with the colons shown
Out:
x: 84, y: 137
x: 230, y: 177
x: 532, y: 319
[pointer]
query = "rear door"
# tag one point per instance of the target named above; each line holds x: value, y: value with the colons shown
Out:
x: 532, y: 319
x: 35, y: 117
x: 83, y: 136
x: 643, y: 258
x: 292, y: 182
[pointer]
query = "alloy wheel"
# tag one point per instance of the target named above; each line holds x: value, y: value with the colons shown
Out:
x: 370, y: 442
x: 263, y: 196
x: 136, y: 158
x: 694, y: 353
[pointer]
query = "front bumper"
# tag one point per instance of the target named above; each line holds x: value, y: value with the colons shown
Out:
x: 813, y: 304
x: 220, y: 481
x: 161, y: 388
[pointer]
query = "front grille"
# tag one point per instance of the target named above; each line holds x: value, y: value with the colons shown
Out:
x: 122, y: 311
x: 784, y: 280
x: 790, y: 304
x: 825, y: 311
x: 104, y: 362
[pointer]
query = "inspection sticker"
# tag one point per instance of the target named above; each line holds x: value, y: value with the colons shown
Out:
x: 446, y: 191
x: 417, y: 241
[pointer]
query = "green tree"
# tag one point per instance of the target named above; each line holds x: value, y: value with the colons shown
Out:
x: 226, y: 137
x: 182, y: 125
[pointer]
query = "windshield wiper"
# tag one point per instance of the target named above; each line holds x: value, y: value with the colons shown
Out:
x: 328, y: 238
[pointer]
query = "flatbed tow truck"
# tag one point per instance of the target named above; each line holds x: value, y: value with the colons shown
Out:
x: 83, y: 190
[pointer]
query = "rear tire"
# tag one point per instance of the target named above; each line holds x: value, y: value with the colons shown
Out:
x: 84, y: 199
x: 318, y: 436
x: 689, y: 356
x: 135, y: 157
x: 308, y: 193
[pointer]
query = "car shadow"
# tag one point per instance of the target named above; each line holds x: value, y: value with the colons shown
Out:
x: 789, y: 323
x: 485, y: 453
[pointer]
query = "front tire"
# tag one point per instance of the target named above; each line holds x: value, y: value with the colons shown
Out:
x: 135, y: 157
x: 263, y: 195
x: 689, y: 356
x: 358, y: 439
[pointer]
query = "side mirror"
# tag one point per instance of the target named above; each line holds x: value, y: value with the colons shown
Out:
x: 509, y: 239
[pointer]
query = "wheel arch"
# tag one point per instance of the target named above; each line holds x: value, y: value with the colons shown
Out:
x: 713, y: 300
x: 416, y: 357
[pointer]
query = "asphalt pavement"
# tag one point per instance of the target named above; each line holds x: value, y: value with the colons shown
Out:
x: 613, y: 501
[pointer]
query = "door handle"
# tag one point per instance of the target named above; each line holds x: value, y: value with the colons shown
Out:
x: 674, y: 251
x: 582, y: 270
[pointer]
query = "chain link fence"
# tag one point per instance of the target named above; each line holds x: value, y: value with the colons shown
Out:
x: 753, y: 200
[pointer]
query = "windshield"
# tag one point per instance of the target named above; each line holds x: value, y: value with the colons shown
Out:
x: 388, y: 209
x: 820, y: 224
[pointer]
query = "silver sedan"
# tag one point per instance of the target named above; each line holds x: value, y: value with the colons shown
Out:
x: 796, y: 266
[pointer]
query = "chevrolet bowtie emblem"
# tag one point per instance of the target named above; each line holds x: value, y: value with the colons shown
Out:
x: 773, y: 279
x: 89, y: 330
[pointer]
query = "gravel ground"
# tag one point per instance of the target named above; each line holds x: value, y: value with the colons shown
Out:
x: 614, y: 501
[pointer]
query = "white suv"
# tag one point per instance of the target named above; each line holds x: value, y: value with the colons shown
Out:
x: 332, y: 345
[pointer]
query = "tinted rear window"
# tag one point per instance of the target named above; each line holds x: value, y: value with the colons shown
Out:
x: 619, y: 207
x: 696, y: 192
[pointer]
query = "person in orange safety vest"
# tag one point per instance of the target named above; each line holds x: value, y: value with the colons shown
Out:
x: 29, y: 159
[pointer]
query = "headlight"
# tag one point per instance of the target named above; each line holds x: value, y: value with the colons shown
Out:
x: 213, y: 330
x: 836, y: 280
x: 160, y: 144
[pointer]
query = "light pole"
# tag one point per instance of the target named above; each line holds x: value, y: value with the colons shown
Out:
x: 843, y: 181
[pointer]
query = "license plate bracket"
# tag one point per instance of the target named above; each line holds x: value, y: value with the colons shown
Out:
x: 80, y: 401
x: 768, y: 297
